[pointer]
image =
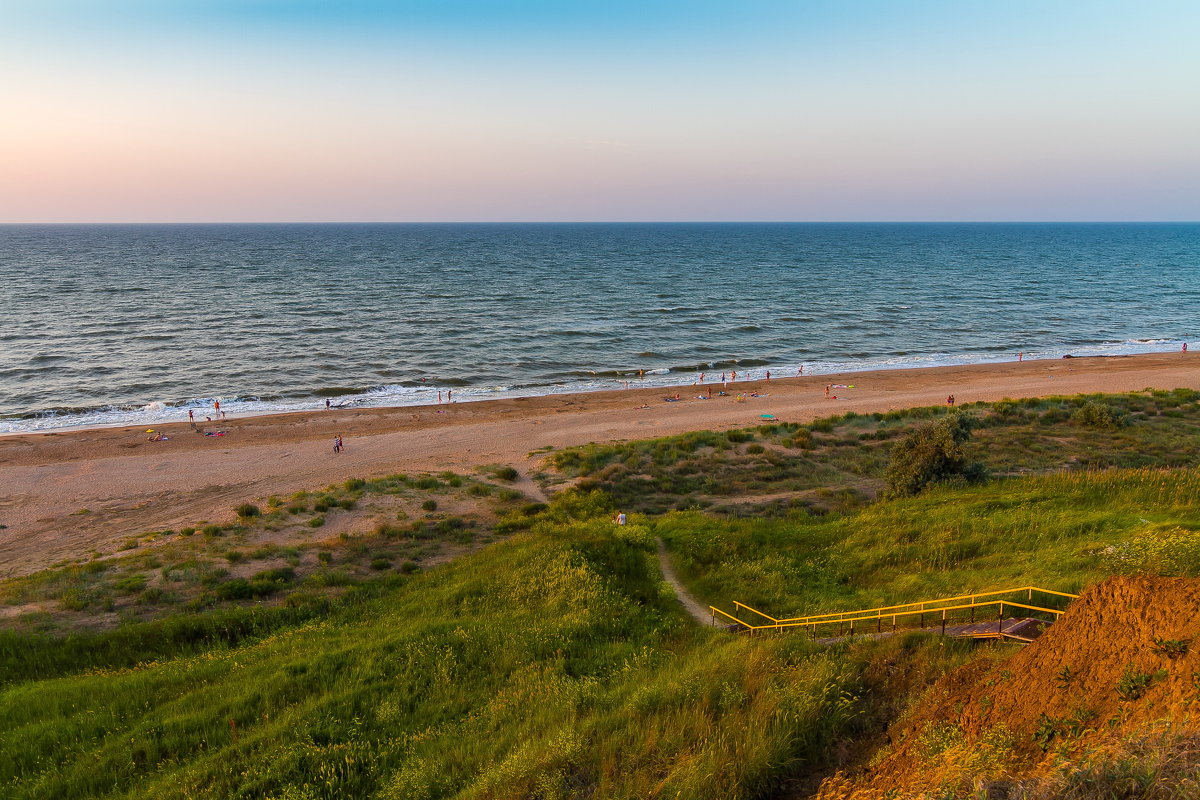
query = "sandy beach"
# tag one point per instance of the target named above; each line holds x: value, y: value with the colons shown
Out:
x: 129, y: 485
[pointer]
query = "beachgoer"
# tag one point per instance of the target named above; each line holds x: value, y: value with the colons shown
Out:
x: 449, y: 392
x: 827, y: 388
x: 733, y: 377
x: 801, y: 372
x: 337, y: 443
x: 327, y: 404
x: 439, y: 396
x: 191, y: 416
x: 768, y: 375
x: 950, y: 400
x: 723, y: 377
x: 1020, y: 356
x: 1185, y: 347
x: 217, y: 407
x: 702, y: 377
x: 710, y: 393
x: 620, y: 518
x: 641, y: 373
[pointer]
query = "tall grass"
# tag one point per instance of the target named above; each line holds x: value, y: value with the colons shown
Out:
x: 553, y: 665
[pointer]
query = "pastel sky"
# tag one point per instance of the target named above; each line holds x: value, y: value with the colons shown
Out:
x: 445, y: 110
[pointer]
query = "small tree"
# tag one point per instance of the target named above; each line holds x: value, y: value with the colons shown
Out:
x: 1097, y: 415
x: 933, y: 453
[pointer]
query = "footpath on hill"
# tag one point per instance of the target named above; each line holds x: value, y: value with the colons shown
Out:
x: 693, y: 607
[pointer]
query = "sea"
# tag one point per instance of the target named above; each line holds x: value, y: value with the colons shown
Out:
x: 136, y: 324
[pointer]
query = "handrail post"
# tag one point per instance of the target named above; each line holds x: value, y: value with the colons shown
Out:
x: 893, y: 623
x: 943, y: 622
x: 972, y: 609
x: 1000, y: 621
x: 879, y: 623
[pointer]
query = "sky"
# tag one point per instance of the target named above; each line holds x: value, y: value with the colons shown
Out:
x: 655, y: 110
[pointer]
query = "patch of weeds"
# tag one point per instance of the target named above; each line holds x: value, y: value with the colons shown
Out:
x: 506, y: 474
x: 316, y: 521
x: 211, y: 530
x: 1171, y: 648
x: 247, y: 511
x: 129, y: 544
x: 130, y: 584
x: 381, y: 562
x: 430, y: 505
x: 354, y: 484
x: 234, y: 556
x: 325, y: 557
x: 409, y: 567
x: 479, y: 490
x: 1133, y: 683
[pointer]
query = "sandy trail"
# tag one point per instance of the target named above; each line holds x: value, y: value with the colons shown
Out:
x: 693, y: 607
x: 129, y: 485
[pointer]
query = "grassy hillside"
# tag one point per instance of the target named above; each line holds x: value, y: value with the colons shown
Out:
x: 548, y: 666
x: 556, y: 663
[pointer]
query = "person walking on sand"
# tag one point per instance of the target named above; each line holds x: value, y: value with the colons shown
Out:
x: 337, y: 443
x: 950, y: 400
x: 620, y: 520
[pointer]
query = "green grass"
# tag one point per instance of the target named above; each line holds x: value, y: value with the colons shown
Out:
x: 837, y: 463
x: 1059, y: 531
x: 548, y: 666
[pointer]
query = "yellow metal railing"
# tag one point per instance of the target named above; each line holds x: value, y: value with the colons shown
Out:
x: 920, y: 609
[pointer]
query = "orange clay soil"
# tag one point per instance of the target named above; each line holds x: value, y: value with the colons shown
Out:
x: 978, y: 723
x: 129, y: 485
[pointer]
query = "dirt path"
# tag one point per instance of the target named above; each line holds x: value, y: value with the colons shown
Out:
x: 697, y: 611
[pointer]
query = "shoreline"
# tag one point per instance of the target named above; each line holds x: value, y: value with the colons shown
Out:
x: 515, y: 395
x: 130, y: 485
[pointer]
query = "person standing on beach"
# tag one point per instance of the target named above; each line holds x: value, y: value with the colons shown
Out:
x: 337, y: 443
x: 768, y: 376
x: 449, y: 393
x: 1185, y: 347
x: 950, y: 400
x: 827, y: 390
x: 326, y: 403
x: 733, y: 376
x: 216, y: 408
x: 191, y: 416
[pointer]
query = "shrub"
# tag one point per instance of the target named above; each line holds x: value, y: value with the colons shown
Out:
x: 930, y: 454
x: 479, y: 490
x: 247, y: 510
x: 211, y: 530
x: 381, y: 562
x: 429, y: 505
x: 1096, y: 415
x: 409, y: 567
x: 186, y: 531
x: 234, y: 556
x: 316, y: 522
x: 130, y: 584
x: 325, y: 557
x: 507, y: 474
x: 354, y: 484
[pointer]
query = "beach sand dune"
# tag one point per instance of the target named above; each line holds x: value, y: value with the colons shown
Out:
x: 65, y: 495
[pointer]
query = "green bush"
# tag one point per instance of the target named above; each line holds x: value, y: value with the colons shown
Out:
x: 429, y: 505
x: 247, y: 510
x: 1096, y: 415
x: 354, y: 484
x: 932, y: 453
x: 507, y: 474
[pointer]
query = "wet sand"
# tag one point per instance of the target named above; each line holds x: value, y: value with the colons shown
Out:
x: 130, y: 485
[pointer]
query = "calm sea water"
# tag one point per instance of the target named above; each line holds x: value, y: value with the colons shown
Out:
x: 137, y: 323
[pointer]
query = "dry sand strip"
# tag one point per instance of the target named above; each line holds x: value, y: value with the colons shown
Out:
x: 130, y: 485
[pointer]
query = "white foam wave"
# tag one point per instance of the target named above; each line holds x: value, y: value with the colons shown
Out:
x: 159, y: 412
